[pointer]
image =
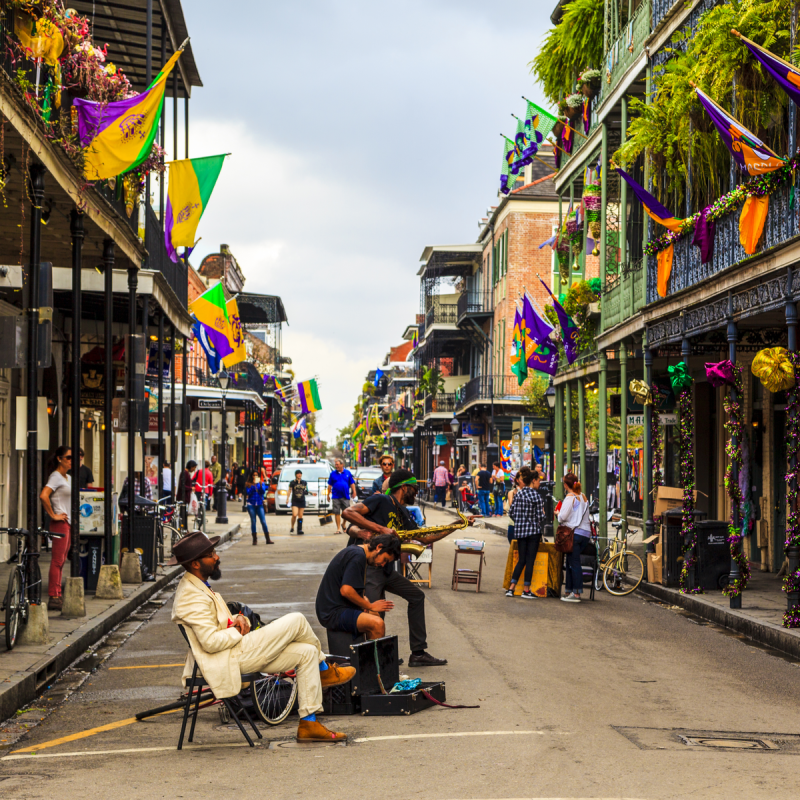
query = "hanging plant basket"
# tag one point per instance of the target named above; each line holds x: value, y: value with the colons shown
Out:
x: 558, y: 128
x: 589, y: 83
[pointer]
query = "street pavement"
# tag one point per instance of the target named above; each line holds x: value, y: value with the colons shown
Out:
x: 617, y: 698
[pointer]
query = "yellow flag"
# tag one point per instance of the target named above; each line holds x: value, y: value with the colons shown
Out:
x: 235, y: 335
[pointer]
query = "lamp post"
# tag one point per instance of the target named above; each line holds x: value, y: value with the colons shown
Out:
x: 222, y: 485
x: 455, y: 427
x: 404, y: 440
x: 550, y: 396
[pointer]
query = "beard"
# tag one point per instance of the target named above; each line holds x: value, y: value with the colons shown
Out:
x: 216, y: 574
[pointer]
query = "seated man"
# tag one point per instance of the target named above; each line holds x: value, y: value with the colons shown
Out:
x: 224, y: 648
x: 385, y: 514
x: 341, y: 605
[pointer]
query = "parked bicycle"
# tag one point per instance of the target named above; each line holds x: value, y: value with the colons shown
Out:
x: 167, y: 526
x: 23, y: 590
x: 622, y: 569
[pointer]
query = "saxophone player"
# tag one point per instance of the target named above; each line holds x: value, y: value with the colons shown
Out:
x: 387, y: 513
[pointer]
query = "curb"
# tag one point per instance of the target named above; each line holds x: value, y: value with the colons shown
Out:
x: 765, y: 633
x: 22, y: 687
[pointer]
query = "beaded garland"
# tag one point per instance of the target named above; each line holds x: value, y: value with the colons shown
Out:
x: 734, y: 425
x: 688, y: 530
x: 791, y: 619
x: 758, y: 186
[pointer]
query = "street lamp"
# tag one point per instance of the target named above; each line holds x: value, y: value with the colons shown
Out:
x: 404, y: 440
x: 222, y: 487
x: 550, y: 396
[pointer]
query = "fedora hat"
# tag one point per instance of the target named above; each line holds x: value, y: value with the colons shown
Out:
x: 191, y: 547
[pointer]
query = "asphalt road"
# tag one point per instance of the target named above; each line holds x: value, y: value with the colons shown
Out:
x: 619, y: 698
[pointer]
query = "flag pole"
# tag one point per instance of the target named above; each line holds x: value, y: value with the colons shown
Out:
x: 583, y: 135
x: 739, y: 36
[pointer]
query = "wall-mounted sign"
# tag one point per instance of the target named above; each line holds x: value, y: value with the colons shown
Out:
x: 209, y: 404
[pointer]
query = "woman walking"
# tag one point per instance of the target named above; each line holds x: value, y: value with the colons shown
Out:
x: 527, y: 514
x: 56, y: 498
x: 255, y: 492
x: 574, y: 514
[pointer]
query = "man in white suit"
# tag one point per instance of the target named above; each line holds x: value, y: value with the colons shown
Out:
x: 224, y: 647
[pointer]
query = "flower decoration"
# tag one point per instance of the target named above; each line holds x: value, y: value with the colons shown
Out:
x: 720, y: 374
x: 774, y: 369
x: 686, y: 451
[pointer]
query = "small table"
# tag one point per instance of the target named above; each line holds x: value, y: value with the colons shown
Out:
x: 467, y: 575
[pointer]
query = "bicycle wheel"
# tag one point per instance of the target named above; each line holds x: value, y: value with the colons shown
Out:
x: 623, y: 574
x: 13, y: 607
x: 273, y: 696
x: 601, y: 564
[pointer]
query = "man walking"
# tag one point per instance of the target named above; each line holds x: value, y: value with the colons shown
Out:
x: 216, y: 474
x: 342, y: 488
x: 387, y: 466
x: 484, y: 481
x: 441, y: 479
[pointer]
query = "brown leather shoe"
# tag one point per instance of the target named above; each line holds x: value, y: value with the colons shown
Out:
x: 55, y: 604
x: 308, y: 731
x: 336, y: 675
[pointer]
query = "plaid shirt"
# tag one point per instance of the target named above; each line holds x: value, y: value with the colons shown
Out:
x: 527, y: 513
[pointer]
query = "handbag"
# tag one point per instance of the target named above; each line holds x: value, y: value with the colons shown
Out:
x: 194, y: 504
x: 564, y: 537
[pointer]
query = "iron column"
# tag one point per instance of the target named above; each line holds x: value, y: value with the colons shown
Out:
x: 76, y: 230
x: 108, y: 391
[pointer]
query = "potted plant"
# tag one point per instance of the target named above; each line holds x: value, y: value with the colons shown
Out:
x: 574, y: 106
x: 589, y: 83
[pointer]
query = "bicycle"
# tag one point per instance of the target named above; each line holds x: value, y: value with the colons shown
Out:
x: 273, y: 697
x: 624, y: 570
x: 21, y: 594
x: 200, y: 516
x: 166, y: 512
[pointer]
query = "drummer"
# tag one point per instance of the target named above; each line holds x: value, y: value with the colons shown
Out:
x: 388, y: 513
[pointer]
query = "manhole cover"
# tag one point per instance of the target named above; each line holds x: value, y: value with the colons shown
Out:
x: 696, y: 739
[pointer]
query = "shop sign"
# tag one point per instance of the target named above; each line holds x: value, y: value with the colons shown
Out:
x: 472, y: 428
x: 635, y: 419
x: 668, y: 419
x: 209, y: 404
x: 463, y: 442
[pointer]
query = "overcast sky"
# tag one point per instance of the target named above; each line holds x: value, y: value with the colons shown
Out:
x: 361, y: 132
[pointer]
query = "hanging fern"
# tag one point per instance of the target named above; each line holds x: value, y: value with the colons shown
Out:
x: 574, y: 45
x: 674, y: 127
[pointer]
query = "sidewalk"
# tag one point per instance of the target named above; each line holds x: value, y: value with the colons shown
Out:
x: 28, y: 669
x: 759, y: 619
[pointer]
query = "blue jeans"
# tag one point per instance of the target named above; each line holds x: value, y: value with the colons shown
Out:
x: 440, y: 495
x: 483, y: 502
x: 257, y: 511
x: 498, y: 505
x: 574, y: 576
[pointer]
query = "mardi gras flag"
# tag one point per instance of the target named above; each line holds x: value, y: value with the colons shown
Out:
x: 214, y: 361
x: 506, y: 453
x: 527, y: 148
x: 298, y: 427
x: 569, y: 330
x: 538, y: 123
x: 545, y: 358
x: 378, y: 375
x: 360, y: 430
x: 519, y: 364
x: 235, y: 335
x: 415, y: 341
x: 787, y: 76
x: 749, y: 152
x: 190, y: 185
x: 536, y: 329
x: 308, y: 393
x: 507, y: 177
x: 118, y: 136
x: 652, y: 207
x: 210, y: 310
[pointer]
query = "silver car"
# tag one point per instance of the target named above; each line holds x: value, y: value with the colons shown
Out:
x: 315, y: 475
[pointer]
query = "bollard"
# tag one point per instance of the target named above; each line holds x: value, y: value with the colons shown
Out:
x: 131, y: 569
x: 37, y: 631
x: 109, y: 583
x: 74, y: 604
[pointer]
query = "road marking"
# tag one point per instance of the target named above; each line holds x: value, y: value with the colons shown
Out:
x: 448, y: 735
x: 129, y: 750
x: 150, y: 666
x: 85, y: 734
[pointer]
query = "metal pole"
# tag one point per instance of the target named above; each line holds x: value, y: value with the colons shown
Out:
x: 184, y: 401
x: 568, y: 395
x: 735, y: 575
x: 162, y: 132
x: 76, y: 230
x: 148, y: 62
x: 623, y: 436
x: 133, y: 281
x: 685, y: 353
x: 623, y: 197
x: 603, y: 199
x: 173, y: 450
x: 647, y: 475
x: 793, y: 552
x: 32, y: 373
x: 108, y: 392
x: 222, y: 491
x: 558, y: 454
x: 146, y: 410
x: 161, y: 457
x: 175, y: 113
x: 186, y: 120
x: 582, y: 435
x: 602, y: 445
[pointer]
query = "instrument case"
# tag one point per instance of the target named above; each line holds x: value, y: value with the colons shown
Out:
x: 402, y: 703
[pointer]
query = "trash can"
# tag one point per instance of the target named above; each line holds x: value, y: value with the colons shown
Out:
x: 672, y: 544
x: 143, y: 538
x: 713, y: 554
x: 546, y: 493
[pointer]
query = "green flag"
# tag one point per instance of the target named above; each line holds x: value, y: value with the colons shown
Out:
x: 519, y: 362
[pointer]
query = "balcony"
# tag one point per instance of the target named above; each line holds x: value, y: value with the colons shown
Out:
x: 176, y: 274
x: 504, y: 387
x: 625, y: 51
x: 687, y: 271
x: 441, y: 314
x: 474, y: 304
x: 625, y: 297
x: 440, y: 404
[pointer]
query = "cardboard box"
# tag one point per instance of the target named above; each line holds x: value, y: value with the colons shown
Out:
x: 654, y: 568
x: 669, y: 497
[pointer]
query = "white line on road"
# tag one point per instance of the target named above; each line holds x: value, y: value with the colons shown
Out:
x: 113, y: 752
x: 448, y: 735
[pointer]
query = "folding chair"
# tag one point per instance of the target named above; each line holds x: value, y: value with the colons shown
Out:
x: 198, y: 681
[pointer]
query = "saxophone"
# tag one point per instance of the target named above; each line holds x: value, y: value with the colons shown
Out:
x: 407, y: 545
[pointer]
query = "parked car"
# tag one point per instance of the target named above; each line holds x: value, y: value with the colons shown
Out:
x: 312, y: 475
x: 364, y: 478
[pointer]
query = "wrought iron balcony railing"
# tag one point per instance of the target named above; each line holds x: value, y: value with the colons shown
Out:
x: 176, y: 274
x: 441, y: 314
x: 440, y: 402
x: 503, y: 387
x: 474, y: 303
x: 687, y: 270
x: 624, y: 297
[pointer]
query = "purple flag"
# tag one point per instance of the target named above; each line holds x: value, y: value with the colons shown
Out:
x: 786, y: 75
x: 545, y: 358
x: 569, y: 330
x: 537, y: 329
x: 704, y: 235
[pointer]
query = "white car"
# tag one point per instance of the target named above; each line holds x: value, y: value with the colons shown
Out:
x: 315, y: 475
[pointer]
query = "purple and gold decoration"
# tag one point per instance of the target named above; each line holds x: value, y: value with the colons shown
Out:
x: 791, y: 583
